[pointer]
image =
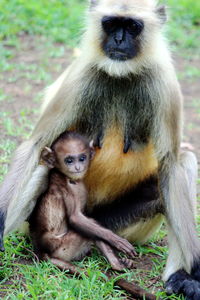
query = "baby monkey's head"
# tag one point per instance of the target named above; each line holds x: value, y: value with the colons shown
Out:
x: 70, y: 154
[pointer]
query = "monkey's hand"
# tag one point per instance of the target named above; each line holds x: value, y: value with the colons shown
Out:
x: 122, y: 245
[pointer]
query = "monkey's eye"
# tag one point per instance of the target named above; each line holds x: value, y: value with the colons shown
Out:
x: 134, y: 26
x: 82, y: 158
x: 109, y: 24
x: 69, y: 160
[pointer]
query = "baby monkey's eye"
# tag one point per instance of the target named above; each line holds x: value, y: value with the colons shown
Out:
x: 82, y: 158
x: 69, y: 160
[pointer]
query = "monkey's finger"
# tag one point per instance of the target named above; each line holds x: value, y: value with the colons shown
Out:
x: 127, y: 248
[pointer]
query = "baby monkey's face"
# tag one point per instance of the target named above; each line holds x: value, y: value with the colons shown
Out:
x: 73, y: 159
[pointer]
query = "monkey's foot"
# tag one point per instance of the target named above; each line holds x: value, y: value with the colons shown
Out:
x: 121, y: 264
x: 182, y: 283
x: 65, y: 266
x: 195, y: 272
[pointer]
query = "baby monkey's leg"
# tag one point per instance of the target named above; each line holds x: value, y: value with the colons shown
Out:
x: 71, y: 247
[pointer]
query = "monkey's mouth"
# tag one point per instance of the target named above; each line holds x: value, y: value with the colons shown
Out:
x: 76, y: 175
x: 118, y: 55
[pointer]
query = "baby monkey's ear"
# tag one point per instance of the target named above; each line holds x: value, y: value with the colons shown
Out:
x: 92, y: 151
x: 48, y: 157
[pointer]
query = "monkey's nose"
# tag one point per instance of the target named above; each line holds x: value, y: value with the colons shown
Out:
x: 77, y: 168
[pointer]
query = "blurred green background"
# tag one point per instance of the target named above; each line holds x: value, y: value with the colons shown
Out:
x: 37, y: 39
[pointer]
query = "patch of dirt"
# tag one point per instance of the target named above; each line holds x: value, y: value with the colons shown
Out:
x: 21, y: 90
x: 16, y: 278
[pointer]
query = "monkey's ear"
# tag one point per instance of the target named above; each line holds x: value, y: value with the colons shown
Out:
x: 161, y: 13
x: 48, y: 157
x: 92, y: 151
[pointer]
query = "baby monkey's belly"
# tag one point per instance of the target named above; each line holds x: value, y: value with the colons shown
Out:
x: 113, y: 173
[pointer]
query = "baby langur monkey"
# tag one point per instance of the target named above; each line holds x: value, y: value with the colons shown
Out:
x: 59, y: 229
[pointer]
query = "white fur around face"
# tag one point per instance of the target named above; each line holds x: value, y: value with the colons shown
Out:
x: 117, y: 68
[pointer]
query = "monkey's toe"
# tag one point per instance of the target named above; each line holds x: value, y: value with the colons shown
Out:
x: 118, y: 266
x: 128, y: 263
x: 182, y: 283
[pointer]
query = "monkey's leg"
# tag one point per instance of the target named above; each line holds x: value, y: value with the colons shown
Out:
x: 178, y: 188
x: 116, y: 263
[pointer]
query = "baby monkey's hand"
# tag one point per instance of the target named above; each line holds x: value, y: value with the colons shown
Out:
x: 122, y: 245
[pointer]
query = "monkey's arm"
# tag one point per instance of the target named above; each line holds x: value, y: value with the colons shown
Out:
x: 91, y: 229
x: 75, y: 197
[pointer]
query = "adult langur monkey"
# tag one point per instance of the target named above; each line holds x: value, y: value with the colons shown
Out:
x: 123, y: 93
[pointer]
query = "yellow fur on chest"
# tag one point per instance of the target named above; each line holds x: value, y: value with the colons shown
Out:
x: 113, y: 173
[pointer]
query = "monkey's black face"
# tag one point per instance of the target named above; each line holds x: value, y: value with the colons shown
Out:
x: 121, y: 41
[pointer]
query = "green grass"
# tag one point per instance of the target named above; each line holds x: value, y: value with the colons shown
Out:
x: 184, y: 26
x: 56, y: 25
x: 59, y: 20
x: 22, y: 277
